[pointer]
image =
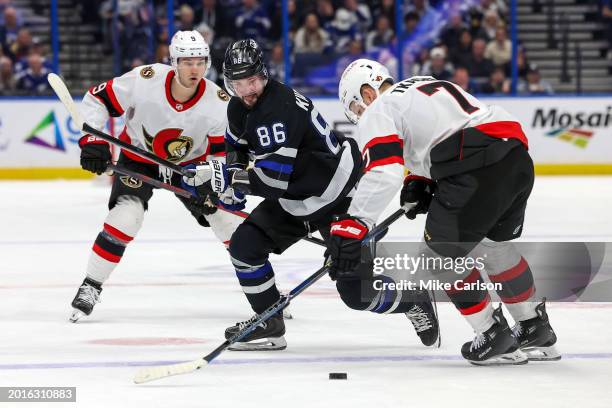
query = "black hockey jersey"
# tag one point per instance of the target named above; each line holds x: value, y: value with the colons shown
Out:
x: 297, y: 158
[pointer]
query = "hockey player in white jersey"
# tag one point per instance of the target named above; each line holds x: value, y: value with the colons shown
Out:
x: 171, y: 111
x: 471, y: 173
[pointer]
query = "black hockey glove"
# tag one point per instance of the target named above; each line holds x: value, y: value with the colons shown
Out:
x: 95, y: 154
x: 417, y: 191
x: 201, y: 205
x: 345, y: 246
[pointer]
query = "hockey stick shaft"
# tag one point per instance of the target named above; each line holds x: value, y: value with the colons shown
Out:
x: 61, y: 90
x: 155, y: 373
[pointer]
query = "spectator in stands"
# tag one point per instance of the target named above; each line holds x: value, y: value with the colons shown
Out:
x: 276, y: 65
x: 7, y: 79
x: 326, y: 13
x: 460, y: 54
x: 489, y: 26
x: 497, y: 84
x: 311, y: 38
x: 207, y: 12
x: 385, y: 8
x: 411, y: 21
x: 9, y: 30
x: 355, y: 51
x: 500, y: 49
x: 450, y: 36
x: 186, y: 20
x: 534, y: 84
x: 5, y: 4
x: 162, y: 54
x: 360, y: 14
x: 33, y: 81
x: 22, y: 45
x: 461, y: 77
x: 477, y: 65
x: 344, y: 29
x: 437, y: 66
x: 419, y: 66
x: 380, y: 37
x: 253, y: 22
x: 419, y: 7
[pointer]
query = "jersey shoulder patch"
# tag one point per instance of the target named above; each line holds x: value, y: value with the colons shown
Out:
x: 223, y: 95
x: 147, y: 72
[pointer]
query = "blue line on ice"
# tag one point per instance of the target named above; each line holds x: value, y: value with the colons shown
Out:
x: 293, y: 360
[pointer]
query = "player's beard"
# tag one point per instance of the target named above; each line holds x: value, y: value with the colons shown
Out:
x: 250, y: 100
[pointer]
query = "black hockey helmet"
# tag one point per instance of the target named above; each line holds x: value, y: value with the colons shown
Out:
x: 243, y: 59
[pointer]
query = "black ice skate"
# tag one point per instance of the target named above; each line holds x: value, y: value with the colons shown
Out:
x: 269, y: 333
x: 536, y: 337
x: 424, y: 319
x: 87, y: 296
x: 496, y: 346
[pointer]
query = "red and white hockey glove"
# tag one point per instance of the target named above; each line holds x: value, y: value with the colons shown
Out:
x: 345, y: 246
x: 417, y: 193
x: 95, y: 154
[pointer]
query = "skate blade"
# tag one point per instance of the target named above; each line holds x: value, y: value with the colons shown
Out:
x: 272, y: 343
x: 76, y: 315
x: 516, y: 357
x: 542, y: 353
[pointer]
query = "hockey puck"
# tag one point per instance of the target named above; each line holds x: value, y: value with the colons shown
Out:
x: 337, y: 376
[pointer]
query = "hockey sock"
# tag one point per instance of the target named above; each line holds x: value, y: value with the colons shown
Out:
x: 473, y: 304
x: 120, y: 227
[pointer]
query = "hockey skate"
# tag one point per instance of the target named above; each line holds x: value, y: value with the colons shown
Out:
x: 87, y: 296
x: 270, y: 333
x: 496, y: 346
x: 424, y: 319
x: 536, y: 338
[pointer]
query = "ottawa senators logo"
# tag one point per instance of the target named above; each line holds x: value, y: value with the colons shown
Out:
x: 130, y: 181
x: 222, y: 95
x: 147, y: 72
x: 169, y: 144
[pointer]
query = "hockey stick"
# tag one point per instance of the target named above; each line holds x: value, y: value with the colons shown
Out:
x: 63, y: 94
x: 158, y: 372
x: 184, y: 193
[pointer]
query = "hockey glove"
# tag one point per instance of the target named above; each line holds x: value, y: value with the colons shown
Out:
x: 345, y: 246
x: 95, y: 154
x: 199, y: 184
x: 199, y: 206
x: 417, y: 193
x: 232, y: 200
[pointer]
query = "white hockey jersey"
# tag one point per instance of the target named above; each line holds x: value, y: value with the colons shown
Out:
x: 180, y: 132
x: 402, y: 126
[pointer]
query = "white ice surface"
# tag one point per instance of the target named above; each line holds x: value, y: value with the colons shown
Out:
x: 175, y: 292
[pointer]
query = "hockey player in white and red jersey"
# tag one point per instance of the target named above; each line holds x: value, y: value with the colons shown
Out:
x: 470, y: 171
x: 173, y: 112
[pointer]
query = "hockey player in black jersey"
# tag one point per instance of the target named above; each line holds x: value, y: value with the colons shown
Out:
x: 305, y: 172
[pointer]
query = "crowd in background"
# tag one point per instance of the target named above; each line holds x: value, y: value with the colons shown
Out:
x: 23, y: 63
x: 473, y: 49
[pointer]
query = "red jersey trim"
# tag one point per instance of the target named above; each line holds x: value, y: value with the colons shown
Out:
x: 189, y: 103
x: 384, y: 162
x: 504, y: 129
x: 383, y: 139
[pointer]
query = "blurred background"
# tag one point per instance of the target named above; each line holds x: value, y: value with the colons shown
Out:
x: 548, y: 62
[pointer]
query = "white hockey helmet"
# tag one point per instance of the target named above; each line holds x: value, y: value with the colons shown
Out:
x: 186, y: 44
x: 360, y: 72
